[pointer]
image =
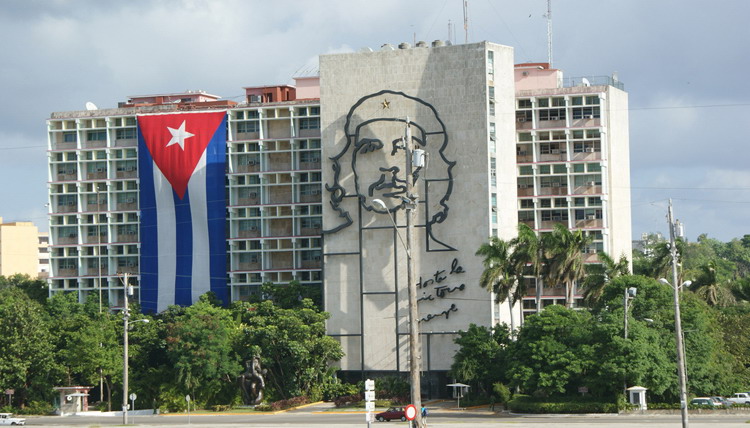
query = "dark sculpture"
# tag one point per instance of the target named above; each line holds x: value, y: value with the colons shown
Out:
x: 252, y: 383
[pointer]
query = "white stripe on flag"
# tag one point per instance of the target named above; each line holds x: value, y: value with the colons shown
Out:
x: 166, y: 240
x: 201, y: 281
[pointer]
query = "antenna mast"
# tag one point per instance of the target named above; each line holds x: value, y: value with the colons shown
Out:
x: 466, y: 21
x: 549, y: 32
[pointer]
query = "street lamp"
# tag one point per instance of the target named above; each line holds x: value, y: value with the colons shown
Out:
x: 410, y: 204
x: 630, y: 293
x: 128, y: 290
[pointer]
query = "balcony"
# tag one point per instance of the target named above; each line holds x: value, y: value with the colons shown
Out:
x: 249, y: 233
x: 67, y: 208
x: 590, y: 223
x: 311, y: 198
x: 129, y: 268
x: 549, y: 224
x: 252, y: 167
x: 310, y: 231
x: 553, y: 157
x: 126, y: 142
x: 309, y: 165
x: 96, y: 175
x: 249, y: 266
x: 67, y: 272
x: 66, y: 240
x: 67, y: 176
x: 554, y: 190
x: 524, y: 156
x: 586, y: 156
x: 588, y: 189
x: 311, y: 264
x: 126, y: 174
x: 525, y: 191
x: 546, y: 292
x: 127, y: 206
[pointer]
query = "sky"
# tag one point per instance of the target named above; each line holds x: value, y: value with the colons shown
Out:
x: 683, y: 64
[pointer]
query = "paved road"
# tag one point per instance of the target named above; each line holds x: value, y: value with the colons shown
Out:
x: 322, y: 416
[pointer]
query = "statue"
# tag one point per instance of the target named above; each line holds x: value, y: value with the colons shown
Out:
x: 252, y: 382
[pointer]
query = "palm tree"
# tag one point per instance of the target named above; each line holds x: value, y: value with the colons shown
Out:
x: 564, y: 257
x: 600, y: 275
x: 499, y: 275
x: 708, y: 287
x: 660, y: 265
x: 527, y: 254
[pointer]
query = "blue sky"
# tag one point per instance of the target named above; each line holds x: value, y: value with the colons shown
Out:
x: 682, y: 62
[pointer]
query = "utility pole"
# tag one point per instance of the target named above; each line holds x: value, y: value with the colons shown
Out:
x: 125, y: 319
x: 677, y: 321
x: 414, y: 348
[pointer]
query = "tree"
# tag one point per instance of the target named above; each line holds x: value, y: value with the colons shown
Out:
x: 707, y: 286
x: 199, y: 347
x: 26, y: 362
x: 552, y: 352
x: 500, y: 275
x: 564, y: 256
x: 292, y: 344
x: 480, y: 359
x: 36, y: 289
x: 528, y: 255
x: 599, y: 275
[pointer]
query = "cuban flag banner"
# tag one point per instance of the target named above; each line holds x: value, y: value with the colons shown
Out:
x: 181, y: 164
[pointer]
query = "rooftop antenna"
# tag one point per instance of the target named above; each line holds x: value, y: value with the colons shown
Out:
x: 549, y: 32
x: 466, y: 21
x: 449, y: 30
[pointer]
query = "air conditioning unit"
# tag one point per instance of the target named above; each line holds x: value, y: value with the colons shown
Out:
x: 590, y: 217
x: 521, y: 119
x: 316, y: 192
x: 100, y: 170
x: 252, y: 195
x: 591, y: 116
x: 253, y: 227
x: 316, y: 258
x: 130, y: 168
x: 523, y: 186
x: 555, y: 151
x: 131, y: 264
x: 252, y: 162
x: 522, y: 153
x: 255, y: 98
x: 129, y: 200
x: 591, y: 183
x: 589, y: 150
x: 555, y: 184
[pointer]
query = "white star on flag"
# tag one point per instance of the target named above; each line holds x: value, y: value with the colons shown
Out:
x: 179, y: 136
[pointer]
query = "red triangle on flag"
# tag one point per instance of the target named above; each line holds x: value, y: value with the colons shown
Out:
x: 176, y: 142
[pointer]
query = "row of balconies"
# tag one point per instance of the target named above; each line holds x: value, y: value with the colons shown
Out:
x: 589, y: 189
x: 524, y: 156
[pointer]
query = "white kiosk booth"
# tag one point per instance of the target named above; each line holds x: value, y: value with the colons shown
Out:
x: 637, y: 396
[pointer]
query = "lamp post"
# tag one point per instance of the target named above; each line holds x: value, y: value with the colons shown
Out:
x: 128, y: 290
x: 410, y: 205
x: 630, y: 293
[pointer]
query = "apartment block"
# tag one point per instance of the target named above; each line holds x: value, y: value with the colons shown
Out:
x: 572, y: 150
x: 19, y: 248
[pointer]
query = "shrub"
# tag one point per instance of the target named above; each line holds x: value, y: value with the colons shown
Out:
x: 333, y: 390
x: 263, y: 408
x: 220, y: 407
x: 502, y: 393
x: 348, y: 399
x: 286, y: 404
x: 526, y: 404
x: 36, y: 408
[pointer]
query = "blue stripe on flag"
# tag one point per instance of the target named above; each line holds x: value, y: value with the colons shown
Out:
x: 184, y: 229
x: 216, y: 177
x: 149, y: 262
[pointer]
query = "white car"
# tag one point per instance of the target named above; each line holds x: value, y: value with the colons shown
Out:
x: 8, y: 419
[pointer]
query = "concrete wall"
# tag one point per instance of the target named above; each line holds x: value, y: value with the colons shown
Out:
x: 19, y: 249
x: 443, y: 91
x: 618, y: 139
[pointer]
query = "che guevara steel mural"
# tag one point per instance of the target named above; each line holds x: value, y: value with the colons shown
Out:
x: 374, y: 154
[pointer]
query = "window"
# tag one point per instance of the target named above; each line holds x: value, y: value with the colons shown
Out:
x: 69, y: 137
x: 552, y: 114
x: 579, y: 167
x: 559, y: 168
x: 312, y: 255
x: 492, y: 131
x: 526, y: 182
x: 524, y: 103
x: 96, y: 135
x: 315, y: 111
x: 309, y: 123
x: 527, y: 203
x: 490, y: 62
x: 593, y: 167
x: 595, y: 201
x: 586, y: 112
x: 592, y: 100
x: 524, y: 136
x: 544, y: 169
x: 248, y: 126
x: 545, y: 203
x: 525, y: 170
x: 542, y: 102
x: 491, y: 92
x: 309, y: 189
x: 125, y: 134
x: 309, y: 157
x: 554, y: 215
x: 558, y: 102
x: 524, y: 216
x: 311, y: 222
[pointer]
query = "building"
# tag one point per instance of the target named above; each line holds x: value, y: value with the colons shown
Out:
x: 19, y: 248
x: 273, y: 191
x: 43, y: 269
x: 315, y: 188
x: 459, y: 102
x: 572, y: 149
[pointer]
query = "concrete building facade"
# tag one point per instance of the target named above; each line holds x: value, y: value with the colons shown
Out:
x: 19, y: 248
x: 466, y: 192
